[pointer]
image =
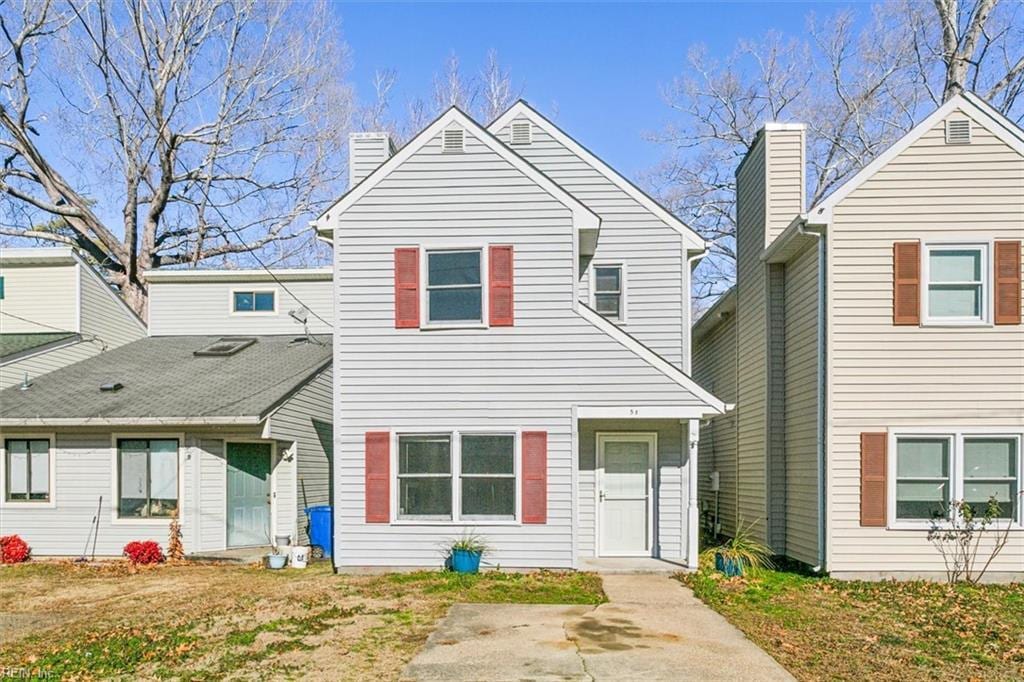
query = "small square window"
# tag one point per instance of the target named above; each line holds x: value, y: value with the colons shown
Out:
x: 454, y: 287
x: 608, y: 288
x: 957, y: 283
x: 253, y: 301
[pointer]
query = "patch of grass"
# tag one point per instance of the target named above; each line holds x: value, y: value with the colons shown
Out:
x: 822, y: 628
x: 114, y: 651
x: 495, y: 587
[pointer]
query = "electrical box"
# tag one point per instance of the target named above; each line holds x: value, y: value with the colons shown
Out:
x: 714, y: 481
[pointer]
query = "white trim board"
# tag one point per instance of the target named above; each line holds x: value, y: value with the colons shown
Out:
x: 583, y: 217
x: 523, y: 110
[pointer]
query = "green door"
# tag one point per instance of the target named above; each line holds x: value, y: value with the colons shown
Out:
x: 248, y: 494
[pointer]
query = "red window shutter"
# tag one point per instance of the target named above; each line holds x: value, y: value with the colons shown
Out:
x: 535, y: 476
x: 500, y: 287
x: 1007, y: 282
x: 873, y: 470
x: 378, y: 476
x: 407, y: 288
x: 906, y: 286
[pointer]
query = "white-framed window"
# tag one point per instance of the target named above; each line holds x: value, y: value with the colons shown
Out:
x: 930, y: 470
x: 457, y: 477
x: 454, y: 289
x: 957, y: 283
x: 245, y: 301
x: 147, y: 477
x: 608, y: 290
x: 28, y: 470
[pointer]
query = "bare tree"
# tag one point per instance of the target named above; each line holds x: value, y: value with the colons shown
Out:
x: 192, y: 129
x: 497, y: 90
x: 453, y: 89
x: 858, y: 90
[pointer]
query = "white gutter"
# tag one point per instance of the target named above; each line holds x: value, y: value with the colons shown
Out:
x: 129, y: 421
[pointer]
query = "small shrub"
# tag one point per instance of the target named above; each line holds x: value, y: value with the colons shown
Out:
x: 13, y: 550
x: 145, y: 552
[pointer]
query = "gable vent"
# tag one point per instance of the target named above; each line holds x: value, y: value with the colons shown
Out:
x: 521, y: 132
x: 958, y: 131
x: 453, y: 140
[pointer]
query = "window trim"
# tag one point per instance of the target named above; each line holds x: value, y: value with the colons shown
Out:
x: 956, y: 477
x: 485, y: 314
x: 253, y: 290
x: 985, y: 248
x: 457, y: 519
x: 115, y: 476
x: 623, y: 316
x: 49, y: 503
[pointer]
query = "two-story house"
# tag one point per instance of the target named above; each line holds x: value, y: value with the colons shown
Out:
x: 873, y: 347
x: 56, y: 309
x: 221, y: 416
x: 511, y: 353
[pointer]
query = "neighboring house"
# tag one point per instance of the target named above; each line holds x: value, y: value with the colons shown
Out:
x: 511, y: 351
x: 874, y: 349
x: 56, y: 309
x: 229, y: 426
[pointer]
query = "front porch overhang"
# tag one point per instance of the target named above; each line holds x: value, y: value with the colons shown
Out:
x: 646, y: 411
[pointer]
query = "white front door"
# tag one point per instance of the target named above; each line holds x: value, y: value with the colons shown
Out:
x: 625, y: 493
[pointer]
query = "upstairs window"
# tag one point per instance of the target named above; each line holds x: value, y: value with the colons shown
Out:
x: 608, y: 289
x: 254, y: 301
x: 28, y: 470
x: 454, y: 287
x: 957, y: 283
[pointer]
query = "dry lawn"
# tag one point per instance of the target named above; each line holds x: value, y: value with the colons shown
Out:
x: 823, y: 629
x: 202, y: 622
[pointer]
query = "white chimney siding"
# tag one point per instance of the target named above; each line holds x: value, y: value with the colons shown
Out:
x: 366, y: 152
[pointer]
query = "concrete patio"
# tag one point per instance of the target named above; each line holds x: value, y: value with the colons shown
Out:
x: 652, y: 628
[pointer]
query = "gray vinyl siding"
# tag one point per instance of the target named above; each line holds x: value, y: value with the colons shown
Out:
x: 884, y: 377
x: 523, y: 377
x: 104, y: 314
x: 801, y: 406
x: 751, y: 342
x: 714, y: 368
x: 36, y: 365
x: 306, y: 421
x: 85, y: 479
x: 671, y: 480
x: 657, y: 288
x: 204, y: 307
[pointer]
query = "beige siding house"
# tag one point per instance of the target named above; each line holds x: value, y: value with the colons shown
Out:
x: 56, y: 309
x: 879, y: 349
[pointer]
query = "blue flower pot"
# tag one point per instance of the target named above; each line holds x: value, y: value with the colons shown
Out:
x: 729, y: 567
x: 463, y: 561
x: 276, y: 561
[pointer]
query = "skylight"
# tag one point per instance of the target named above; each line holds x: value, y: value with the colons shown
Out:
x: 228, y: 345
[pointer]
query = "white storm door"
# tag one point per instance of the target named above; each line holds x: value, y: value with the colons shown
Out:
x: 625, y: 493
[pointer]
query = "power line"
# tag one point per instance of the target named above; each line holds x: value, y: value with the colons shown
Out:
x: 86, y: 337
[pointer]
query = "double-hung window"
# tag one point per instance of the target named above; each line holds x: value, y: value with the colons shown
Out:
x: 957, y: 283
x: 609, y: 287
x: 253, y: 301
x: 457, y: 477
x: 933, y: 470
x: 27, y: 469
x: 454, y: 287
x: 147, y: 477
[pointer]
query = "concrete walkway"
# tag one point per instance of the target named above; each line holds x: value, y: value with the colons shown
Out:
x: 652, y: 628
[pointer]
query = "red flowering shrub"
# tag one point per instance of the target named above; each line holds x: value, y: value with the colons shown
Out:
x: 145, y: 552
x: 13, y: 550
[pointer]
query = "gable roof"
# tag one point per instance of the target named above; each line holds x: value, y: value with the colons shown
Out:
x: 583, y: 217
x: 165, y: 383
x: 979, y: 109
x: 522, y: 109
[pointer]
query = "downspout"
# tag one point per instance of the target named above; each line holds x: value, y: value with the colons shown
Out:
x: 691, y: 264
x: 821, y: 392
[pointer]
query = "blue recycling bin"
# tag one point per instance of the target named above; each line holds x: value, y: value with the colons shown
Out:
x: 321, y: 528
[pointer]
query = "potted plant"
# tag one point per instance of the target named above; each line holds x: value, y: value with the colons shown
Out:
x: 464, y: 554
x: 740, y: 553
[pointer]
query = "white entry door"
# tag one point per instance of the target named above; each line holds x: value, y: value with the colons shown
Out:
x: 625, y: 493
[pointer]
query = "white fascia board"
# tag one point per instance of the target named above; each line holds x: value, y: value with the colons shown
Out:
x: 38, y: 256
x: 993, y: 121
x: 715, y: 406
x: 583, y: 217
x: 640, y: 412
x: 285, y: 274
x: 521, y: 109
x: 129, y: 421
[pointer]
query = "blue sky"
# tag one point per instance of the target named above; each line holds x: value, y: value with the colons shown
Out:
x: 602, y: 64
